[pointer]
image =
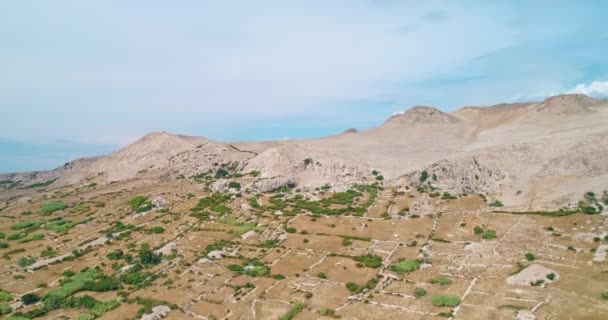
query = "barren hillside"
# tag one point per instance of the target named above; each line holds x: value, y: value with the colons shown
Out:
x: 521, y: 152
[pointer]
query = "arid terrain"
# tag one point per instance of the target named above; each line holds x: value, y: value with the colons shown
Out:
x: 483, y: 213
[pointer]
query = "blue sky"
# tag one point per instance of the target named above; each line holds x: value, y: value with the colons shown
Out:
x: 81, y: 78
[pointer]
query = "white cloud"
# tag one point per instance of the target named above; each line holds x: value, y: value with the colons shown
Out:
x: 596, y: 89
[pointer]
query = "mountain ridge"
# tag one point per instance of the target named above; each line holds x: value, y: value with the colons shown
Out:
x: 421, y: 138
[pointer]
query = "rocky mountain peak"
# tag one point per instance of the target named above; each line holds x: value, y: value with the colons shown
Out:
x: 422, y: 115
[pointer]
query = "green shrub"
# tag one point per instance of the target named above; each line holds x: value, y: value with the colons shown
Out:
x: 3, y: 245
x: 445, y: 300
x: 101, y: 284
x: 253, y: 202
x: 146, y: 206
x: 423, y: 176
x: 604, y: 295
x: 115, y: 255
x: 369, y: 260
x: 5, y: 309
x: 60, y: 226
x: 447, y: 196
x: 136, y: 277
x: 530, y: 256
x: 496, y: 203
x: 26, y: 261
x: 157, y: 230
x: 271, y: 243
x: 218, y: 245
x: 321, y: 275
x: 48, y: 252
x: 16, y: 236
x: 353, y: 287
x: 490, y: 234
x: 210, y: 202
x: 137, y: 202
x: 51, y: 207
x: 441, y: 280
x: 234, y: 185
x: 327, y: 312
x: 147, y: 256
x: 40, y: 184
x: 70, y: 286
x: 296, y: 308
x: 34, y: 237
x: 537, y: 283
x: 419, y: 293
x: 589, y: 210
x: 478, y: 230
x: 5, y: 296
x: 290, y: 230
x: 405, y: 266
x: 30, y: 298
x: 221, y: 173
x: 256, y: 271
x: 30, y: 225
x: 251, y: 268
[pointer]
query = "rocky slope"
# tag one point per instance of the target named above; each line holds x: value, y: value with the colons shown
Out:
x: 530, y: 155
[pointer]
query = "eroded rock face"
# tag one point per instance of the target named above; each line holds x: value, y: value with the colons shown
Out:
x: 270, y: 184
x: 525, y: 315
x: 307, y: 165
x: 462, y: 176
x: 533, y: 275
x: 158, y: 313
x: 601, y: 253
x: 216, y: 255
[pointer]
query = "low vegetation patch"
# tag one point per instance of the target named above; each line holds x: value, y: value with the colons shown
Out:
x: 5, y: 296
x: 296, y: 308
x: 60, y: 226
x: 496, y: 204
x: 251, y: 268
x: 140, y: 204
x: 355, y: 288
x: 405, y: 266
x: 441, y: 280
x: 419, y: 293
x: 443, y: 300
x: 241, y: 226
x: 51, y: 207
x: 369, y: 260
x: 490, y: 234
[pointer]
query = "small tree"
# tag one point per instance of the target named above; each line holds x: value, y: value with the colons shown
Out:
x: 30, y: 298
x: 146, y: 256
x: 423, y: 176
x: 419, y: 293
x: 478, y: 230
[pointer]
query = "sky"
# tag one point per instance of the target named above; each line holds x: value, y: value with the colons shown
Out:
x: 84, y: 78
